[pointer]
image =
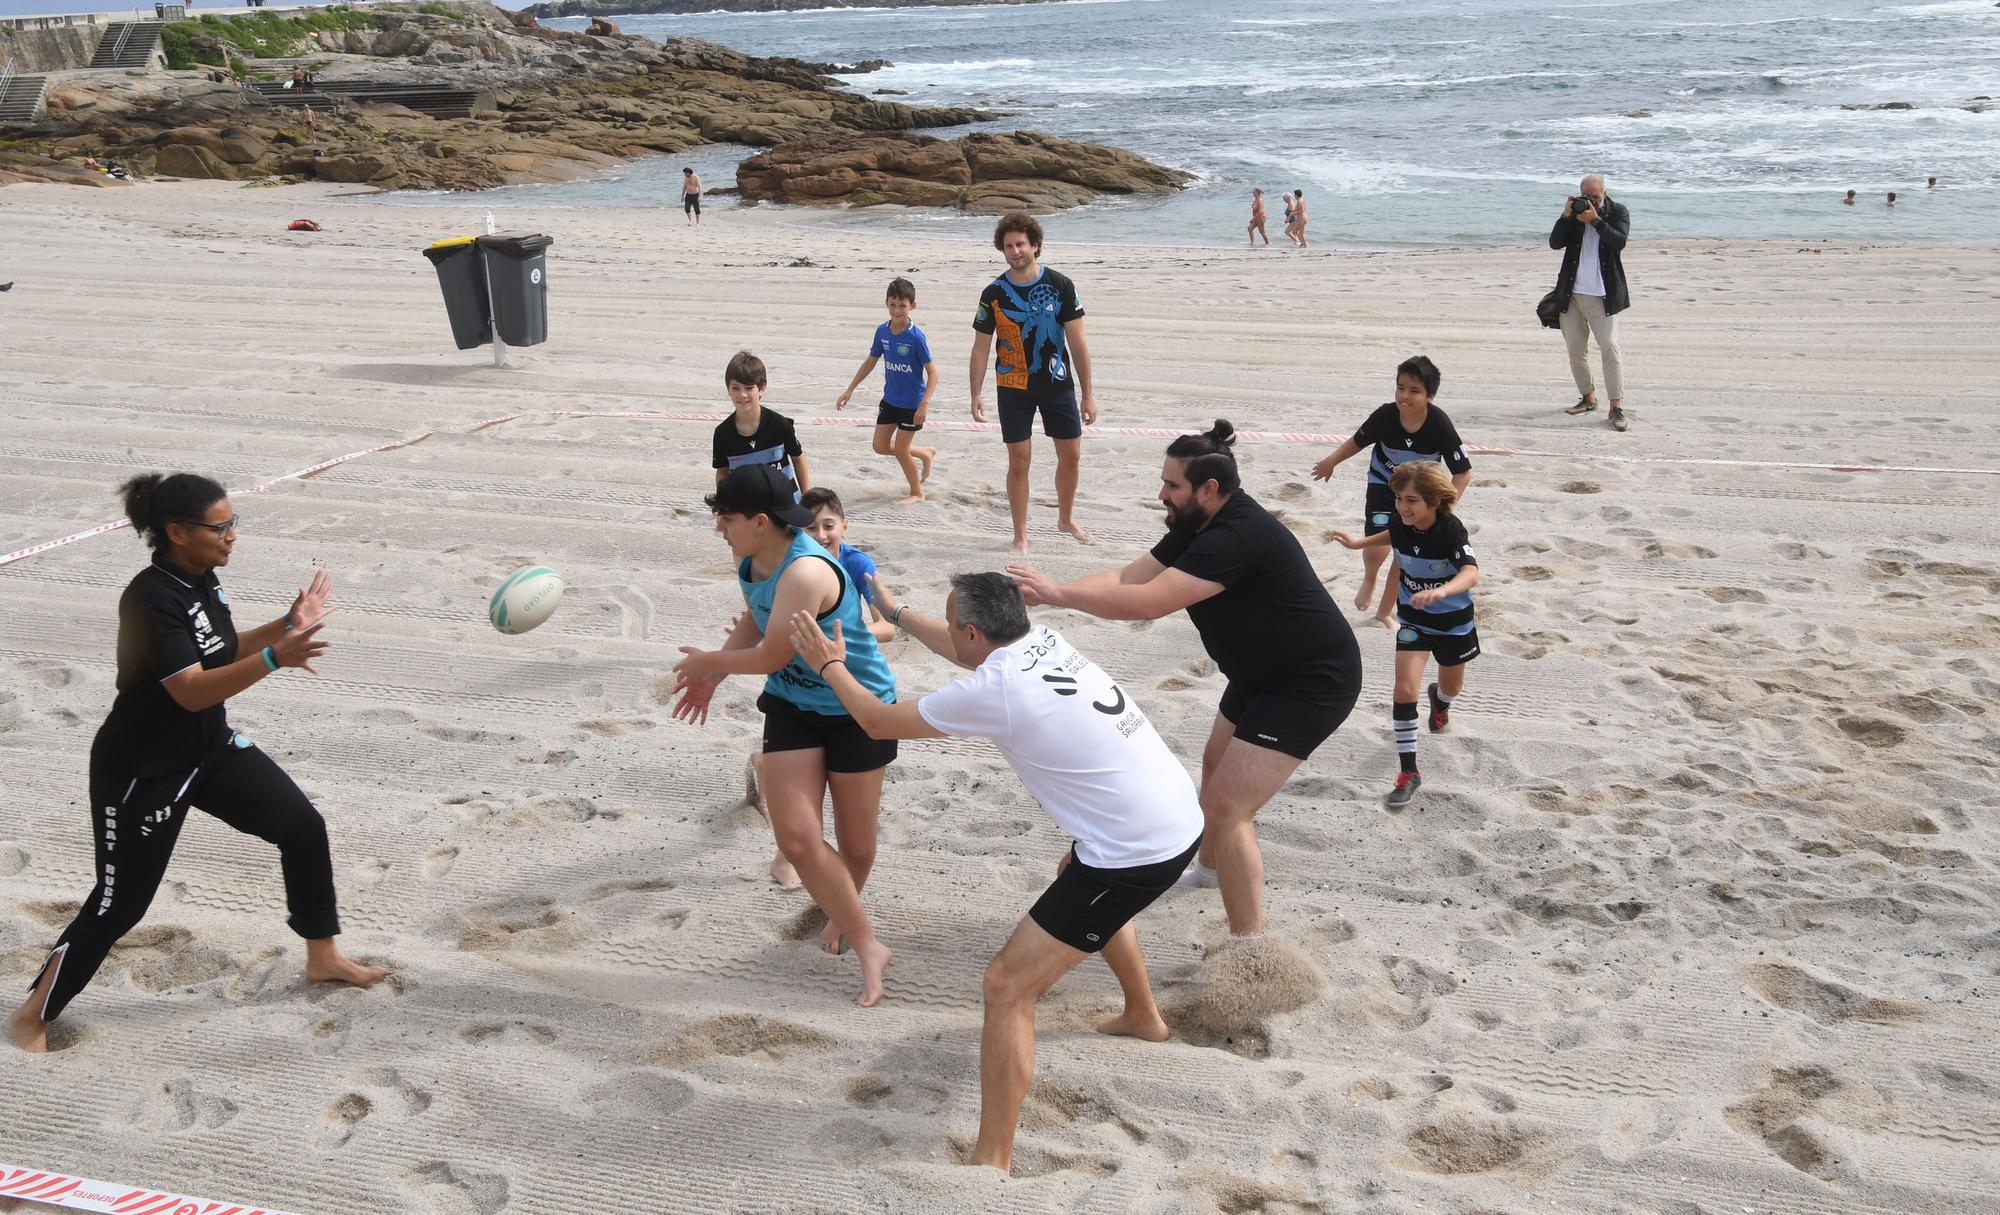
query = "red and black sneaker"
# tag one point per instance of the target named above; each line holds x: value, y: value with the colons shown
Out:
x: 1407, y: 784
x: 1440, y: 712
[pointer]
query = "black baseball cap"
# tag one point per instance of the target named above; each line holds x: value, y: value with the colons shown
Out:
x: 761, y: 489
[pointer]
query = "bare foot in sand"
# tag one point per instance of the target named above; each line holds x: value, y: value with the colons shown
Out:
x: 910, y: 499
x: 326, y: 964
x: 31, y: 1033
x: 1365, y: 597
x: 1082, y: 537
x: 1018, y: 549
x: 783, y: 874
x: 874, y: 956
x: 1131, y: 1025
x: 1387, y: 621
x: 832, y: 940
x: 924, y: 457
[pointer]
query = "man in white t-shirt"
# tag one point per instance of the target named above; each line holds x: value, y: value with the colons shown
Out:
x: 1093, y: 761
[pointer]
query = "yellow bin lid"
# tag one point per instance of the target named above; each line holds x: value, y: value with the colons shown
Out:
x: 452, y: 242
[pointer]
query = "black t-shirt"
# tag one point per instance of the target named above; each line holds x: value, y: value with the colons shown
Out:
x: 1273, y: 625
x: 168, y: 621
x: 1030, y: 351
x: 1436, y: 439
x: 1427, y: 559
x: 775, y: 442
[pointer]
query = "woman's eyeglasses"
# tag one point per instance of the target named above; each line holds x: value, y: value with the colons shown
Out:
x: 221, y: 529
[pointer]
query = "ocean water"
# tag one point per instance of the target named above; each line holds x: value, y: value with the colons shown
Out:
x: 1433, y: 122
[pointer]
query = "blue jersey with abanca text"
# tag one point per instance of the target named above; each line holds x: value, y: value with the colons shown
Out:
x: 795, y: 682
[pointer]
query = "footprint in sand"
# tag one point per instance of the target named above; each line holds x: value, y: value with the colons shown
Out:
x: 739, y: 1035
x: 1771, y: 1114
x: 179, y: 1105
x: 1457, y: 1146
x: 440, y: 1188
x: 489, y: 1030
x: 1827, y: 1002
x: 13, y: 858
x: 439, y: 860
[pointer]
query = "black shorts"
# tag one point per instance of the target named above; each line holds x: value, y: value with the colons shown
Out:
x: 902, y: 419
x: 848, y: 747
x: 1061, y: 419
x: 1085, y: 907
x: 1378, y: 510
x: 1287, y: 719
x: 1450, y: 650
x: 691, y: 203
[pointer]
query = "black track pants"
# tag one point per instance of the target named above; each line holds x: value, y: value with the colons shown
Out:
x: 137, y: 820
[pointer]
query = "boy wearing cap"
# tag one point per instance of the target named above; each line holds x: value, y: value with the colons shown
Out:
x: 811, y: 745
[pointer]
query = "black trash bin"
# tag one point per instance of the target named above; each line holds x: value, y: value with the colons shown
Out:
x: 463, y: 280
x: 517, y: 269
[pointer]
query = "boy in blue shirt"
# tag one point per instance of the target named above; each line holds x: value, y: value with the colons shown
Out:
x: 909, y: 377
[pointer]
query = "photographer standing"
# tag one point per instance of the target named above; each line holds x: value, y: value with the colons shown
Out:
x: 1591, y: 232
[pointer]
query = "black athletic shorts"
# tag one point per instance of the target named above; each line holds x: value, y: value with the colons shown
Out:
x: 1284, y: 719
x: 1450, y: 650
x: 691, y: 203
x: 848, y: 747
x: 1379, y: 509
x: 1061, y: 418
x: 901, y: 419
x: 1085, y: 907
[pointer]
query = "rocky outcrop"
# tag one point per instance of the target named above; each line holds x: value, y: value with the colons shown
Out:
x: 984, y: 172
x: 563, y: 104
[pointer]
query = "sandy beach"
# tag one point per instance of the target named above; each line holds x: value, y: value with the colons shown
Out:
x: 1696, y: 912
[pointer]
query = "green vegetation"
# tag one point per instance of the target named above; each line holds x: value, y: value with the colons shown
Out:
x: 447, y: 12
x: 260, y: 35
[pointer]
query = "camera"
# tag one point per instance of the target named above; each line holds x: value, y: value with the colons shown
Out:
x: 1579, y: 204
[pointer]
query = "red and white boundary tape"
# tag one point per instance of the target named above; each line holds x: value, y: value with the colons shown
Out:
x: 85, y: 1194
x: 1140, y: 432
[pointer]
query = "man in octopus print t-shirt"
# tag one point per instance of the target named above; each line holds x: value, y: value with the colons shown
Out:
x: 1031, y: 322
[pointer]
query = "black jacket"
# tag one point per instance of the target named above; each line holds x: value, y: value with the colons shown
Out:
x: 1614, y: 224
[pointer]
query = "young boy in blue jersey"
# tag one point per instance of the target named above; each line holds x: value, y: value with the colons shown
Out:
x: 909, y: 377
x: 1436, y: 573
x: 829, y: 527
x: 1409, y: 428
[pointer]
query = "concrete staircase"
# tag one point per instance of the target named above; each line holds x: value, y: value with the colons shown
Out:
x: 128, y: 44
x: 20, y: 98
x: 437, y: 100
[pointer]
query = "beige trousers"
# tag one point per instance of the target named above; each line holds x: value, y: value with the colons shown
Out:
x: 1584, y: 319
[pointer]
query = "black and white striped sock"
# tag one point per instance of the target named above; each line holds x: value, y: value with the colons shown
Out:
x: 1404, y: 719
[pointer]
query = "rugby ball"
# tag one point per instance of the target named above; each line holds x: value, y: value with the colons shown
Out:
x: 528, y: 597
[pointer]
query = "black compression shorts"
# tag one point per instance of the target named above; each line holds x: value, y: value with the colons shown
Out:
x: 1282, y: 719
x: 1086, y: 906
x: 848, y: 747
x: 1450, y: 649
x: 902, y: 419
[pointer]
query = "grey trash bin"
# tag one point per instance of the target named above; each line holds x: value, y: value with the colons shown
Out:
x: 517, y: 268
x: 463, y: 281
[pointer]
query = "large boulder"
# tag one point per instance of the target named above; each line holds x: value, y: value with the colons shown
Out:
x: 1025, y: 170
x: 187, y: 160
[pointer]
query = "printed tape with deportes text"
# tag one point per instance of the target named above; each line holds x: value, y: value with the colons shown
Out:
x: 87, y: 1194
x: 1141, y: 432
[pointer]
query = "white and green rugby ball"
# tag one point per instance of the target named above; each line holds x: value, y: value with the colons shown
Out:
x: 527, y: 598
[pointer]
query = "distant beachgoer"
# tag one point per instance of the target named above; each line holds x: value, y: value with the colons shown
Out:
x: 1258, y: 216
x: 312, y: 123
x: 691, y: 195
x: 1299, y: 216
x: 1291, y: 218
x: 1892, y: 198
x: 298, y: 80
x: 1849, y: 200
x: 1032, y: 321
x: 1590, y: 289
x: 1931, y: 185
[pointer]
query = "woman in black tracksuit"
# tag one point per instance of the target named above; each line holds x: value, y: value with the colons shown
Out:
x: 167, y: 745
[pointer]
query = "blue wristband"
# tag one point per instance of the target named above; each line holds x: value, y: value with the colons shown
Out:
x: 270, y: 659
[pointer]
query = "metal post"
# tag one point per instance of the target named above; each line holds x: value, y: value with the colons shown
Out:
x: 499, y: 347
